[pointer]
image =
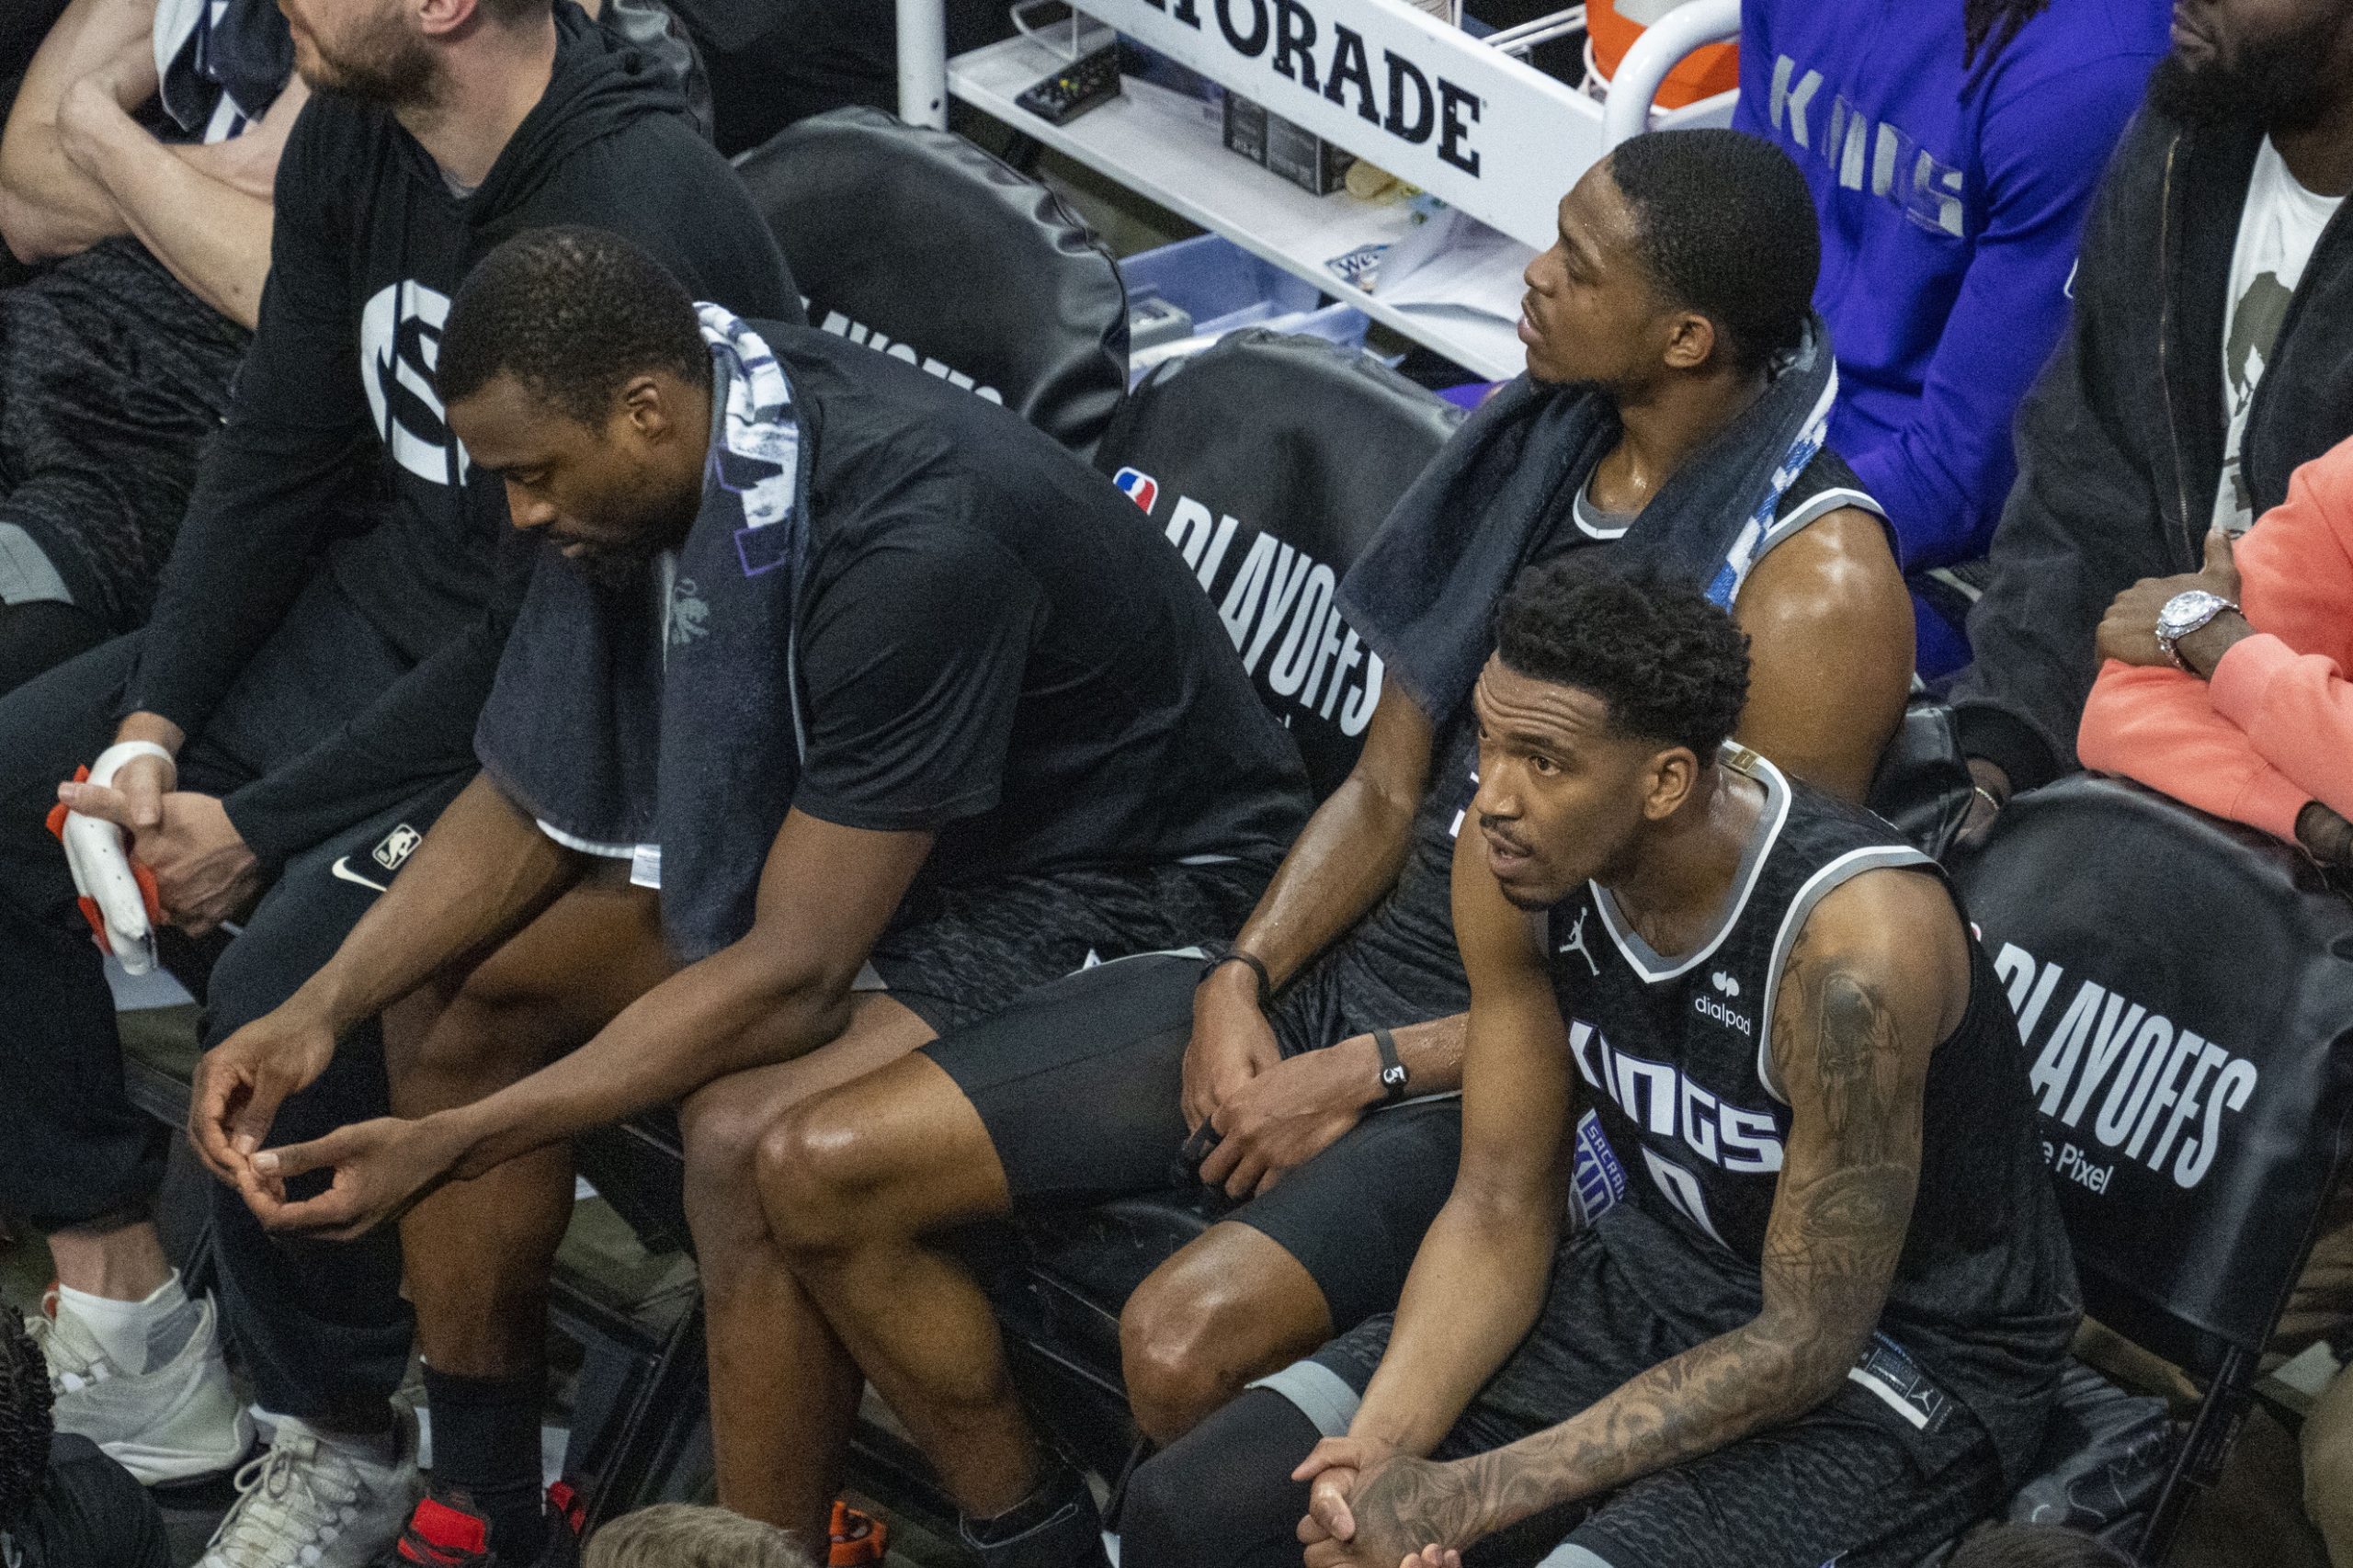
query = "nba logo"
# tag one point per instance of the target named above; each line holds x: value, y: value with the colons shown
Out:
x: 1139, y: 486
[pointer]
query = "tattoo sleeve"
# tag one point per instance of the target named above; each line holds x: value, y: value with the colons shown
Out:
x: 1853, y: 1078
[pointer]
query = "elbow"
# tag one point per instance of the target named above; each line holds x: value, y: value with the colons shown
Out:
x: 22, y: 228
x: 1802, y: 1370
x: 789, y: 1004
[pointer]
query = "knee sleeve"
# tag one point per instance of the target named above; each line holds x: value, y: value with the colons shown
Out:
x: 1222, y: 1496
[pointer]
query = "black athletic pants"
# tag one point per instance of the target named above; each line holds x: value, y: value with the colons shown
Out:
x: 321, y: 1325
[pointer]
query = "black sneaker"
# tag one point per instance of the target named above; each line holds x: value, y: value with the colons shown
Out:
x: 1067, y: 1532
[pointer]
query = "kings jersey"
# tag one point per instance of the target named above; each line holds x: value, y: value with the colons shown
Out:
x: 1675, y: 1054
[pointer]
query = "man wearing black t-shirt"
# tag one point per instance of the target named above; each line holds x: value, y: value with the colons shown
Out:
x: 298, y: 708
x: 900, y: 708
x: 1671, y: 416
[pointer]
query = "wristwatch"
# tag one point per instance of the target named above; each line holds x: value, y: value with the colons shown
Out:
x: 1392, y: 1071
x: 2185, y: 613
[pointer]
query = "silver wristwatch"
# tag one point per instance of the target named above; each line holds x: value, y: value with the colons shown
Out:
x: 2185, y: 613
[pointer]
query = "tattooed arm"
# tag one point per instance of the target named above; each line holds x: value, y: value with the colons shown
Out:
x: 1878, y: 975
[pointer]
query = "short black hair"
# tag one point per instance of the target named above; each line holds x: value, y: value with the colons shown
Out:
x: 2035, y: 1546
x: 573, y: 314
x: 24, y: 1419
x: 1728, y: 230
x: 1671, y: 665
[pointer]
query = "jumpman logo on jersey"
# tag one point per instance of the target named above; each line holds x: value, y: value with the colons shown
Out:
x: 1575, y: 944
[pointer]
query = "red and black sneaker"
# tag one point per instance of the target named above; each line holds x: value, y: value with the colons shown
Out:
x: 444, y: 1531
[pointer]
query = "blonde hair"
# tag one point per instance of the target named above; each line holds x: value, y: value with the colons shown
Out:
x: 677, y: 1535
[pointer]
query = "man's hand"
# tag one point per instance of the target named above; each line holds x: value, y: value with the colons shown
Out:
x: 2128, y: 633
x: 1989, y: 793
x: 205, y: 872
x: 1231, y: 1045
x: 1370, y: 1508
x: 380, y: 1167
x: 248, y: 161
x: 241, y: 1083
x: 1284, y: 1116
x: 133, y: 801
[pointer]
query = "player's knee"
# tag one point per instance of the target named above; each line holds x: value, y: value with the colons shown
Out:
x: 723, y: 1140
x: 819, y: 1178
x: 1179, y: 1507
x: 1177, y: 1338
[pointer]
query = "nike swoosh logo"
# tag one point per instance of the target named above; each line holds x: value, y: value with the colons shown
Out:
x: 342, y: 871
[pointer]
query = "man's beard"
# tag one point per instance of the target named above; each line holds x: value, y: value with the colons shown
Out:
x: 624, y: 570
x: 2276, y: 83
x: 385, y: 65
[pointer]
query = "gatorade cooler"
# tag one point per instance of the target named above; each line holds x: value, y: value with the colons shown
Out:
x: 1612, y: 26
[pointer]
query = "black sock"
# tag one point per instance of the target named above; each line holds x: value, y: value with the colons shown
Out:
x: 1061, y: 1486
x: 486, y: 1444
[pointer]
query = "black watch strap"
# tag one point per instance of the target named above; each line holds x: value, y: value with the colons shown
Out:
x: 1257, y: 967
x: 1392, y: 1071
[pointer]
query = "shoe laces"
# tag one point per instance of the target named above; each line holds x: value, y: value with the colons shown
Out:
x: 293, y: 1496
x: 75, y: 1361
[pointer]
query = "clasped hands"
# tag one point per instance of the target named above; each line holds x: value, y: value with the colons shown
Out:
x: 1371, y: 1506
x: 376, y: 1170
x: 1271, y: 1115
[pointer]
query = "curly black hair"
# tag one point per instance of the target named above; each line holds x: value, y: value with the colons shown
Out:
x: 570, y: 312
x: 1728, y: 230
x: 24, y: 1418
x: 1671, y: 665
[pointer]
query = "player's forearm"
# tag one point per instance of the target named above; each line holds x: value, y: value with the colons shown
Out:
x: 1709, y: 1397
x: 1432, y: 1053
x: 1343, y: 862
x: 482, y: 872
x: 1474, y: 1290
x: 738, y: 1008
x: 48, y: 208
x: 213, y: 237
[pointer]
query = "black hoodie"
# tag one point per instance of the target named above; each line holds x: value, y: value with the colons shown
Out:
x: 369, y: 244
x: 2120, y: 443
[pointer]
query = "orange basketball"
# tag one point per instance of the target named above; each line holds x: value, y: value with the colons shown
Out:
x: 1702, y: 73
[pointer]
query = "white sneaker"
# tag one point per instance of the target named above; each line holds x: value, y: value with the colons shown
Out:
x: 178, y: 1421
x: 306, y: 1503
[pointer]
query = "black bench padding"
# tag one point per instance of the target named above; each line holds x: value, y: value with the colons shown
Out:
x: 956, y: 259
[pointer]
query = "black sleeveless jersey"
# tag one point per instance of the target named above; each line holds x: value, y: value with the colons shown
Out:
x: 1675, y: 1054
x: 1399, y: 965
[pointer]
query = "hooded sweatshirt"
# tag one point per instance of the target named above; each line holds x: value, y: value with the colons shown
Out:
x: 2121, y: 442
x: 335, y: 456
x: 1951, y: 196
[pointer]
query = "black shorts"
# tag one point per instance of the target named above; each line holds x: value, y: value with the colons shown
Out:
x: 954, y: 955
x: 1857, y: 1482
x: 1079, y: 1085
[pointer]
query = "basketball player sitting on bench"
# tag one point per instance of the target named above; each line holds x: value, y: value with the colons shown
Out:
x: 1826, y: 1320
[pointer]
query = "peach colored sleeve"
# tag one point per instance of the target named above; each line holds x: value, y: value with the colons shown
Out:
x: 2296, y: 710
x: 2161, y: 728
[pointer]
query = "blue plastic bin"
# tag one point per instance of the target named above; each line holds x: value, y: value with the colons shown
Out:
x: 1224, y: 288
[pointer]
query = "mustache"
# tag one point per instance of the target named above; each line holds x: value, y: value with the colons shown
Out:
x: 1497, y: 832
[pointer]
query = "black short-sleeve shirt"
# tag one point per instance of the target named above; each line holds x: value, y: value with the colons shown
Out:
x: 993, y: 644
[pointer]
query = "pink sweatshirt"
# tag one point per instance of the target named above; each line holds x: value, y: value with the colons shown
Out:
x: 2273, y: 730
